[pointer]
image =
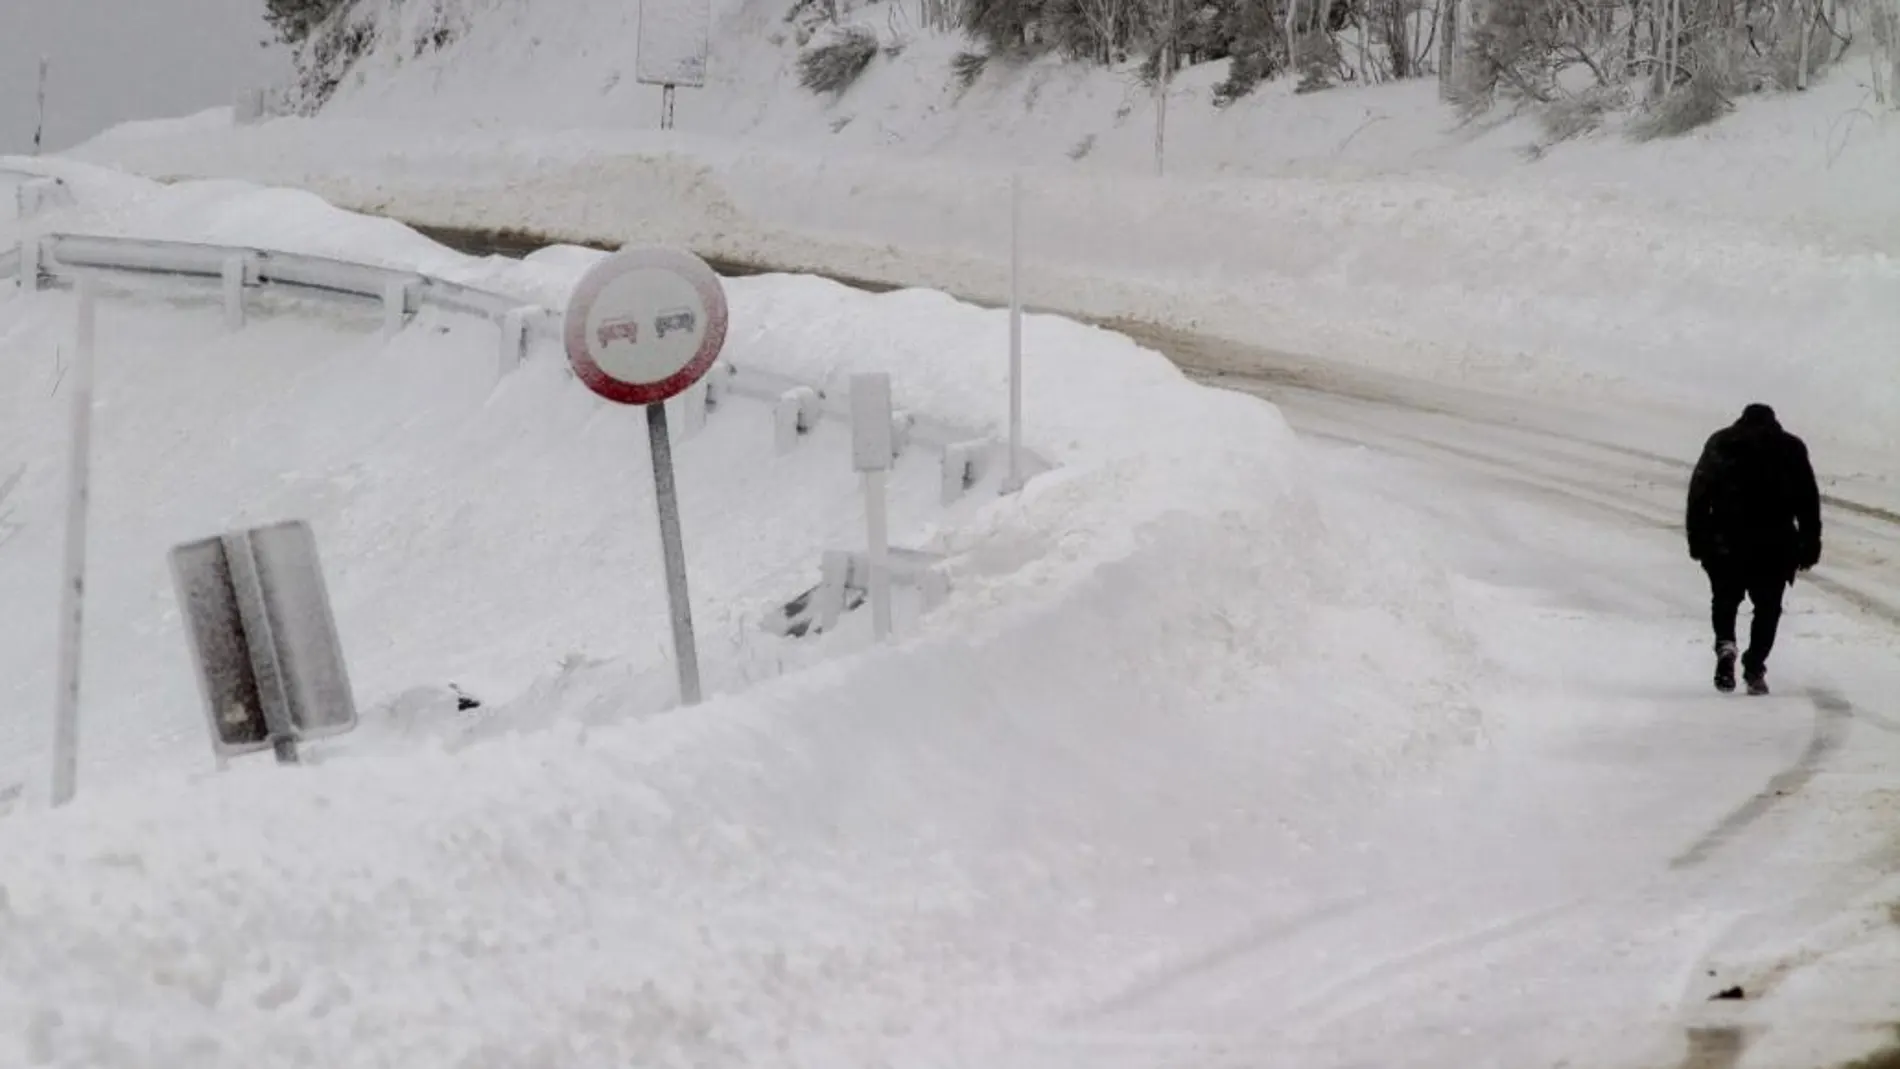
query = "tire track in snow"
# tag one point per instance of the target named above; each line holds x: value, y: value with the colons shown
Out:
x: 1832, y: 714
x: 1252, y: 939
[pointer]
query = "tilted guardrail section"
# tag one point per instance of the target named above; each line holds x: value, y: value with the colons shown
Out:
x: 798, y: 407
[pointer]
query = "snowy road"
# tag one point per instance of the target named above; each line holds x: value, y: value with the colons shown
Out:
x: 1675, y: 843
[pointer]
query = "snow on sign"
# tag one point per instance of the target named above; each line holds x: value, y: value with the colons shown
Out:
x: 645, y: 324
x: 675, y: 36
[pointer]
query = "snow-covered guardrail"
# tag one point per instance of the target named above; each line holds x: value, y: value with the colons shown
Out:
x: 33, y: 191
x: 56, y: 259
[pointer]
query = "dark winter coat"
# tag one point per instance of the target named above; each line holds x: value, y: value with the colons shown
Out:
x: 1753, y: 502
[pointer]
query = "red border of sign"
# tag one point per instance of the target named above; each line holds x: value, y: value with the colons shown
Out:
x: 696, y: 272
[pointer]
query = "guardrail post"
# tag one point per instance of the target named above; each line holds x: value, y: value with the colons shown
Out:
x: 36, y: 195
x: 693, y: 403
x: 902, y: 423
x: 830, y: 596
x: 718, y: 383
x: 796, y: 413
x: 963, y: 465
x: 236, y: 276
x: 398, y: 304
x: 32, y: 265
x: 514, y: 339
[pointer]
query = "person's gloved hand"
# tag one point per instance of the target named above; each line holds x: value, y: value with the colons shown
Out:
x: 1810, y: 552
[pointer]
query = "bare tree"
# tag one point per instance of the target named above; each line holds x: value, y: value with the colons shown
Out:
x: 1884, y: 24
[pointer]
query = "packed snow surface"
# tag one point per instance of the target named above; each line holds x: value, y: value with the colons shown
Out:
x: 1387, y: 743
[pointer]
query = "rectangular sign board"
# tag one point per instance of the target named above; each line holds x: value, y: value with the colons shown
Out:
x: 263, y: 637
x: 212, y: 624
x: 675, y: 37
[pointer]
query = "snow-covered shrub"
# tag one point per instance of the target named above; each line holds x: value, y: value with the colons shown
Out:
x: 967, y: 67
x: 1704, y: 96
x: 1245, y: 71
x: 294, y: 19
x: 1574, y: 115
x: 831, y: 67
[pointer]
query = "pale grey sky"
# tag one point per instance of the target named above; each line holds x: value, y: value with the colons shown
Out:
x: 114, y: 60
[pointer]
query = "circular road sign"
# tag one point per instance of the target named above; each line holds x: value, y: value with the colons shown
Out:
x: 645, y: 324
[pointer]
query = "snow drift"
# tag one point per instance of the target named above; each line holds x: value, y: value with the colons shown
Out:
x: 868, y: 857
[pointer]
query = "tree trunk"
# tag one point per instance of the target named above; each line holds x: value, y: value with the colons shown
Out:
x: 1292, y: 34
x: 1448, y: 34
x: 1629, y: 45
x: 1807, y: 45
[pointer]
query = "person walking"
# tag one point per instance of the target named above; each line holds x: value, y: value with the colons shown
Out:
x: 1754, y: 520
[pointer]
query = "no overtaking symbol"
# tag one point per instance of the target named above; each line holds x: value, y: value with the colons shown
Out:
x: 645, y: 324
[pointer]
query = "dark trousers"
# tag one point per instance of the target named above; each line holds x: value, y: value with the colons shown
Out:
x: 1728, y: 584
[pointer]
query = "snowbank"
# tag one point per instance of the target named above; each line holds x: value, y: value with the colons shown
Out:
x: 879, y: 856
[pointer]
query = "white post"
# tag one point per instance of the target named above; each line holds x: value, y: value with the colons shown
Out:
x: 395, y: 306
x: 234, y: 292
x: 872, y: 450
x: 1015, y: 482
x: 32, y: 262
x: 514, y: 340
x: 877, y: 530
x: 73, y: 589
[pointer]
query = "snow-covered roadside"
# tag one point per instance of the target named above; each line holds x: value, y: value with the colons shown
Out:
x: 1509, y: 288
x: 892, y: 854
x: 409, y: 452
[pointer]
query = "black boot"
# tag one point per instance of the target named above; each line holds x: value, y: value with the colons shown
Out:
x: 1725, y: 667
x: 1756, y: 678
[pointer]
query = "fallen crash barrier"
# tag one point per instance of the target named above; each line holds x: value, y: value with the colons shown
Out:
x: 846, y: 584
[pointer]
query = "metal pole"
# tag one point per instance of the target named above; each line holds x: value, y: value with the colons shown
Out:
x: 73, y: 588
x: 1015, y: 331
x: 666, y: 497
x: 39, y: 126
x: 666, y: 107
x: 878, y: 528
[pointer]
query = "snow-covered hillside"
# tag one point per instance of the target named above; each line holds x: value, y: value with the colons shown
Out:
x: 1827, y: 155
